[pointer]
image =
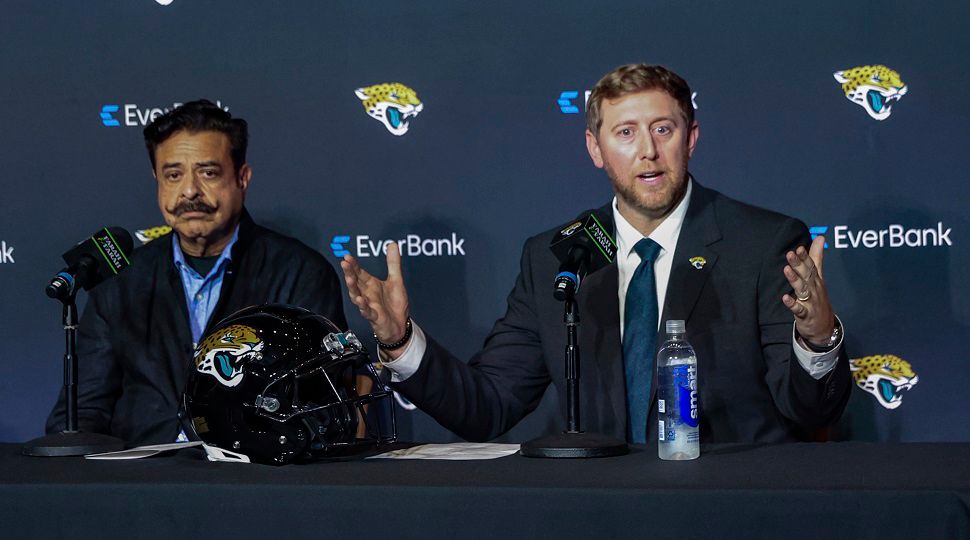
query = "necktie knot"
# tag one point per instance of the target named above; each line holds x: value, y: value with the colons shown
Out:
x: 647, y: 249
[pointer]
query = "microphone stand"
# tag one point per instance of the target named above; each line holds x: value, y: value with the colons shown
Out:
x: 574, y: 442
x: 71, y: 441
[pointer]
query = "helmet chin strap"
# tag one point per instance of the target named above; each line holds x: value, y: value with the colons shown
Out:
x: 213, y: 453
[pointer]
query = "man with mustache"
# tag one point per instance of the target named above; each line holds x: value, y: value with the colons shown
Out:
x: 771, y: 367
x: 139, y: 330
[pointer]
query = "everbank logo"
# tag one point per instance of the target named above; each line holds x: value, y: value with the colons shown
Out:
x: 131, y: 115
x: 412, y: 245
x: 6, y: 253
x: 893, y: 236
x: 567, y: 101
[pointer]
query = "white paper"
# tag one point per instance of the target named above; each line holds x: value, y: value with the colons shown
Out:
x: 144, y: 451
x: 454, y: 451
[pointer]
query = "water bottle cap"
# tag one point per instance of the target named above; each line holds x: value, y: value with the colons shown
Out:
x: 675, y: 327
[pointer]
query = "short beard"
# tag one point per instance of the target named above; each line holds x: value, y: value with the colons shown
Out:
x: 629, y: 195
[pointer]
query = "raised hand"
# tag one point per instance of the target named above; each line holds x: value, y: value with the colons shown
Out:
x: 810, y: 304
x: 383, y: 303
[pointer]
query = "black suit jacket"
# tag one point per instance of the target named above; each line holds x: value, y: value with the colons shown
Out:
x: 752, y: 388
x: 135, y: 344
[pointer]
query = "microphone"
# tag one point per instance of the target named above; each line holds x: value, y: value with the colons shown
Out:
x: 582, y: 247
x: 102, y: 255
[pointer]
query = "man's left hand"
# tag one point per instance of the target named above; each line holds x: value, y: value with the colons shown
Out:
x: 810, y: 304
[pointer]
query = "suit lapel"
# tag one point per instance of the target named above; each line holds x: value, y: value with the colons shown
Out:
x: 229, y: 301
x: 170, y: 311
x: 170, y: 296
x: 693, y: 257
x: 600, y: 327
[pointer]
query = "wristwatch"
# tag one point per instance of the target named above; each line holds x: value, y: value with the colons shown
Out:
x: 829, y: 345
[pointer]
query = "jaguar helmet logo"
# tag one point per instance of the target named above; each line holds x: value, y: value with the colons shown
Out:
x: 885, y: 376
x: 222, y: 353
x: 875, y: 88
x: 391, y: 104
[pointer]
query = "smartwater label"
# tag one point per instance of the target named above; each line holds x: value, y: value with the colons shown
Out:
x: 685, y: 378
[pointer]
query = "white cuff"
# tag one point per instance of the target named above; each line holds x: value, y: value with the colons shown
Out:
x: 817, y: 364
x: 408, y: 363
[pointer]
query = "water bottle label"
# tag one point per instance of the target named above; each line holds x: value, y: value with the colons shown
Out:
x: 662, y: 431
x: 685, y: 377
x: 661, y: 406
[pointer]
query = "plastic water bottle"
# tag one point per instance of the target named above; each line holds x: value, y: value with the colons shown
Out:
x: 678, y: 409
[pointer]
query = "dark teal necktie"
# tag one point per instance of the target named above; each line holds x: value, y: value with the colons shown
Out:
x: 640, y: 338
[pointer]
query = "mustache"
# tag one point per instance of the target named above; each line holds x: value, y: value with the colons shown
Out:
x: 192, y: 206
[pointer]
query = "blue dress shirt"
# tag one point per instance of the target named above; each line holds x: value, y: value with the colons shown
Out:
x: 202, y: 292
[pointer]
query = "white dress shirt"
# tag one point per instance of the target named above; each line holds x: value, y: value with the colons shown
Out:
x: 627, y: 260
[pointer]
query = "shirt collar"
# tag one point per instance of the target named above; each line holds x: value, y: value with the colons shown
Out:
x: 665, y: 234
x: 226, y: 254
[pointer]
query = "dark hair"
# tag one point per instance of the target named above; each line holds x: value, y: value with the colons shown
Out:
x: 633, y: 78
x: 196, y: 116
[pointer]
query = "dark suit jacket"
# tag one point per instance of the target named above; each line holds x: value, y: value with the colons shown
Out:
x: 134, y: 341
x: 752, y: 388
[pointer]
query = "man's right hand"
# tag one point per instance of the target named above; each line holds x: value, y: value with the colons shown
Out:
x: 383, y: 303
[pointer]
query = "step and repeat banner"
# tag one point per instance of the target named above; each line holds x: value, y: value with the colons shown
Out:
x: 457, y: 128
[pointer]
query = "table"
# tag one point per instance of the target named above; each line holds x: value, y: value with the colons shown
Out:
x: 809, y: 490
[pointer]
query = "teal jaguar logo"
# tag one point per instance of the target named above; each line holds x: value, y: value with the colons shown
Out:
x: 875, y: 88
x: 887, y: 377
x: 391, y: 104
x: 223, y: 353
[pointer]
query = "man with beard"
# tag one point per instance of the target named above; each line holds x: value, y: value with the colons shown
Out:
x: 771, y: 366
x: 138, y: 331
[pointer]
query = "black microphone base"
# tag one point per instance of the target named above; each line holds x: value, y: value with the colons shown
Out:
x: 574, y: 445
x: 72, y: 443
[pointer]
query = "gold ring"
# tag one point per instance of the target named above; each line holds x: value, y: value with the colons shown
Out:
x: 808, y: 294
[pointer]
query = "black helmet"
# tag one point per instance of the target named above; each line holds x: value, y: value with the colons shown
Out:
x: 279, y: 384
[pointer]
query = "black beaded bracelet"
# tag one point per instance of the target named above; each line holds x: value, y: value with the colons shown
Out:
x: 399, y: 343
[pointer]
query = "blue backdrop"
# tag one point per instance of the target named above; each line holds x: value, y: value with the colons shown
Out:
x: 496, y: 153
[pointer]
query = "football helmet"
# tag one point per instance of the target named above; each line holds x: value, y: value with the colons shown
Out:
x: 279, y: 384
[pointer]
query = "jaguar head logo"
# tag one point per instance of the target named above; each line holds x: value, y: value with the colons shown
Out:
x: 147, y: 235
x: 223, y: 353
x: 568, y: 231
x: 391, y: 104
x: 885, y: 376
x: 875, y: 88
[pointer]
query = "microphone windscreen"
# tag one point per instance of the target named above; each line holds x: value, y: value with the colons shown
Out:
x: 102, y: 255
x: 588, y: 232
